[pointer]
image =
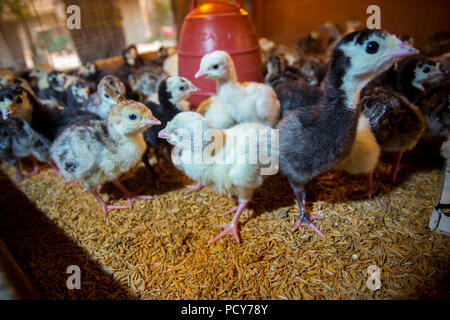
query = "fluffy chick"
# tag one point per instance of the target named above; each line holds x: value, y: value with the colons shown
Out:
x: 217, y: 164
x: 248, y: 102
x: 313, y: 140
x: 364, y: 155
x: 397, y: 123
x: 100, y: 151
x: 110, y: 91
x: 58, y: 83
x: 171, y: 91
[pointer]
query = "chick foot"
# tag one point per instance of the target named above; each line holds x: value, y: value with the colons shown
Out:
x: 193, y: 188
x: 106, y: 208
x: 307, y: 221
x: 36, y: 167
x: 330, y: 177
x: 232, y: 228
x: 128, y: 195
x: 19, y: 176
x: 236, y: 201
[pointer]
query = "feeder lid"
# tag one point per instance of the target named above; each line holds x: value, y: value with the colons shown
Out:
x: 215, y: 8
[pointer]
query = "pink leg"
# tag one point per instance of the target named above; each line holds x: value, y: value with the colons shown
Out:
x: 105, y: 208
x: 127, y: 194
x: 331, y: 176
x: 370, y: 190
x: 394, y: 171
x: 193, y: 188
x: 19, y: 176
x: 236, y: 202
x: 308, y: 222
x: 36, y: 168
x: 232, y: 228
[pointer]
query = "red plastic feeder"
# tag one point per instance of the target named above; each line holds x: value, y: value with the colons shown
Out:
x: 218, y: 26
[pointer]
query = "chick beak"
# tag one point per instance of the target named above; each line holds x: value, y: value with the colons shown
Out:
x: 193, y: 89
x: 85, y: 93
x: 200, y: 73
x: 163, y: 134
x: 152, y: 121
x: 403, y: 50
x: 6, y: 112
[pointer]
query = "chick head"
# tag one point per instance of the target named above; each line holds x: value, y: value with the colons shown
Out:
x: 184, y: 128
x: 58, y: 80
x: 130, y: 54
x: 80, y: 90
x: 87, y: 69
x: 368, y: 52
x: 111, y: 90
x: 426, y: 72
x: 40, y: 71
x: 178, y: 88
x: 216, y: 65
x: 145, y: 81
x: 15, y: 102
x: 131, y: 117
x: 6, y: 76
x: 276, y: 64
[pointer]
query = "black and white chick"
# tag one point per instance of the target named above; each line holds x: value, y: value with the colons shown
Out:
x: 110, y: 91
x: 396, y: 122
x: 58, y: 83
x: 77, y: 94
x: 416, y: 75
x: 313, y: 140
x: 171, y: 91
x: 100, y: 151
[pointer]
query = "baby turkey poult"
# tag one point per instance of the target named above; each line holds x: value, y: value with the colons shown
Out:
x: 250, y: 102
x: 313, y: 140
x: 100, y: 151
x: 228, y: 161
x: 110, y: 91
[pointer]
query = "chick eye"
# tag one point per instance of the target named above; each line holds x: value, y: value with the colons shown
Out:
x: 182, y: 88
x: 106, y: 96
x: 216, y: 66
x: 426, y: 70
x: 19, y: 100
x: 132, y: 116
x: 372, y: 47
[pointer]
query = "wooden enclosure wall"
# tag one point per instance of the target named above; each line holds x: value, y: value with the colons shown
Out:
x: 286, y: 21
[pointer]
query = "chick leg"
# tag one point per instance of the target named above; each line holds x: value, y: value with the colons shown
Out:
x: 236, y: 202
x: 193, y: 188
x: 36, y: 168
x: 370, y: 190
x: 232, y: 228
x: 128, y: 194
x: 303, y: 219
x: 105, y: 208
x: 331, y: 176
x: 396, y: 166
x: 19, y: 176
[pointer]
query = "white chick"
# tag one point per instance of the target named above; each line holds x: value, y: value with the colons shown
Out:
x: 216, y: 112
x: 247, y: 102
x: 231, y: 164
x: 99, y: 151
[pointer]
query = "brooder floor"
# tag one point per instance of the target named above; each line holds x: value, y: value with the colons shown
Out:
x: 161, y: 249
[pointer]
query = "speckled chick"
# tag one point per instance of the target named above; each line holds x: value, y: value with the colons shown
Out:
x: 101, y: 151
x: 110, y: 91
x: 222, y: 159
x: 313, y: 140
x: 248, y: 102
x: 397, y: 123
